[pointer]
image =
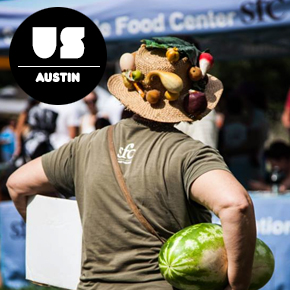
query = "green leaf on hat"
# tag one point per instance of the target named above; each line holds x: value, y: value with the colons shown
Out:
x: 153, y: 44
x: 185, y: 48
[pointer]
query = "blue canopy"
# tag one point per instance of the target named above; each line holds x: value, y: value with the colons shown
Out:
x: 131, y: 20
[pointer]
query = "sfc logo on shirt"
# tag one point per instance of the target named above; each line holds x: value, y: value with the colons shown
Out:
x: 126, y: 154
x: 58, y: 55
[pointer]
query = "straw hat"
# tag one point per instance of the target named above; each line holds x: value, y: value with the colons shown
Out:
x: 165, y: 111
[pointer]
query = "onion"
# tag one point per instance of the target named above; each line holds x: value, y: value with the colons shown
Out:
x: 195, y: 103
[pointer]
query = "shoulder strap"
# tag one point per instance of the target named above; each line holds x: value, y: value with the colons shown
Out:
x: 123, y: 186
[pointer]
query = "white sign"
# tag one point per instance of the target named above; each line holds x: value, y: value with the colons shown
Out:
x: 53, y: 242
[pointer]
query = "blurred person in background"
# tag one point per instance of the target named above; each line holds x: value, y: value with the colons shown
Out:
x: 22, y: 127
x: 42, y: 123
x: 7, y: 140
x: 244, y: 133
x: 108, y: 106
x: 233, y: 143
x: 19, y: 156
x: 68, y: 122
x: 277, y: 158
x: 35, y: 124
x: 92, y: 120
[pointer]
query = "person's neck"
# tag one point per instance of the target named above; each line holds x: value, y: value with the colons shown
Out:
x: 153, y: 125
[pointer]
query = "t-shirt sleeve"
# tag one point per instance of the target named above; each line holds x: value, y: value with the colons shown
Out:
x: 206, y: 159
x: 58, y: 166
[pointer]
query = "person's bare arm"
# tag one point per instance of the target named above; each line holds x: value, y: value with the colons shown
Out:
x: 73, y: 131
x: 29, y: 179
x: 220, y: 192
x: 18, y: 132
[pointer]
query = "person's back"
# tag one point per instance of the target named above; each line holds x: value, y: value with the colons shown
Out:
x: 159, y: 165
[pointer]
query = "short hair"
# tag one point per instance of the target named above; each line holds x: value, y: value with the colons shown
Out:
x: 278, y: 150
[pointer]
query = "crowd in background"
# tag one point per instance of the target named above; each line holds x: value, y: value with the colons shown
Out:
x: 41, y: 127
x: 238, y: 129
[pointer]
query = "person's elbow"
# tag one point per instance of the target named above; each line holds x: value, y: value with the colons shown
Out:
x: 236, y: 206
x: 12, y: 187
x: 220, y: 192
x: 17, y: 182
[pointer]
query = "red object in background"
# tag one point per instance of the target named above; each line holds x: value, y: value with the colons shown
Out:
x: 285, y: 117
x: 287, y: 103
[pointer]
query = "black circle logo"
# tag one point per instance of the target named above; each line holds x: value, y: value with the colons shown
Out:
x: 58, y: 55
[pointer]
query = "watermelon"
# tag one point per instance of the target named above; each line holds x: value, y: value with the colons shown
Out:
x: 195, y: 259
x: 263, y: 266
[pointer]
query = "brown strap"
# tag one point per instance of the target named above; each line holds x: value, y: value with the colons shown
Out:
x: 123, y: 187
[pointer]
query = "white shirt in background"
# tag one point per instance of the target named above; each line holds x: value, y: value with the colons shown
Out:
x: 68, y: 116
x: 108, y: 106
x: 204, y: 130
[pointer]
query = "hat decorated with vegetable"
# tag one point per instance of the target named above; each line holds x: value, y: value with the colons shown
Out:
x: 166, y: 81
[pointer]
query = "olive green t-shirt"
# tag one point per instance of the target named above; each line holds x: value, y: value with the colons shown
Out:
x: 159, y: 166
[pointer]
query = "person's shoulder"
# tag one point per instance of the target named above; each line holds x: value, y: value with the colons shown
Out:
x: 83, y: 140
x: 180, y: 135
x: 182, y: 143
x: 191, y: 143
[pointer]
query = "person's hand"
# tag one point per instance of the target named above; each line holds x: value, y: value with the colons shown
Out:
x: 258, y: 185
x: 284, y: 186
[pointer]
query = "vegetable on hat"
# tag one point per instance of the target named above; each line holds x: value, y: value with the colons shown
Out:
x: 206, y: 62
x: 153, y: 96
x: 195, y: 103
x: 171, y: 96
x: 172, y: 54
x: 127, y: 62
x: 195, y: 73
x: 172, y: 82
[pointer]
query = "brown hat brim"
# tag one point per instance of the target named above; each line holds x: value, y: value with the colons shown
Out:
x: 164, y: 111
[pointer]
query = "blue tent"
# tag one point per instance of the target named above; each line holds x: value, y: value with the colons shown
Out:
x: 242, y: 22
x: 128, y: 19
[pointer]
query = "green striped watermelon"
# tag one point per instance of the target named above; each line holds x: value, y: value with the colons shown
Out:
x: 263, y: 266
x: 195, y: 259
